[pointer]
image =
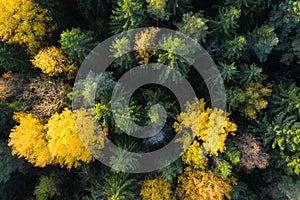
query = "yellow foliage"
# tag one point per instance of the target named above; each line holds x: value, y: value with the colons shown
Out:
x: 57, y: 142
x: 255, y: 93
x: 65, y: 146
x: 194, y: 156
x: 91, y: 134
x: 206, y: 125
x: 52, y: 61
x: 29, y: 140
x: 24, y: 22
x: 203, y: 185
x: 156, y: 189
x: 143, y: 41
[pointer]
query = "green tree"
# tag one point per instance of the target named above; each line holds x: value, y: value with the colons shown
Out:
x: 13, y: 58
x: 10, y: 164
x: 194, y: 26
x: 127, y: 15
x: 119, y: 186
x: 77, y: 43
x: 262, y: 41
x: 46, y: 188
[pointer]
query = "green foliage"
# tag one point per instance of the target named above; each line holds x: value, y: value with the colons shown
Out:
x: 171, y: 171
x: 241, y: 191
x: 13, y: 58
x: 287, y: 140
x: 98, y: 84
x: 194, y: 26
x: 158, y: 96
x: 262, y: 41
x: 127, y: 15
x: 250, y: 99
x: 119, y: 186
x: 177, y: 8
x: 119, y: 47
x: 46, y: 188
x: 227, y: 20
x: 10, y: 164
x: 124, y: 161
x: 223, y: 168
x: 288, y: 188
x: 77, y: 43
x: 228, y: 72
x: 6, y: 114
x: 232, y: 153
x: 285, y: 17
x: 91, y: 9
x: 285, y: 98
x: 254, y: 42
x: 296, y: 47
x: 282, y: 134
x: 234, y: 48
x: 157, y: 9
x: 175, y: 45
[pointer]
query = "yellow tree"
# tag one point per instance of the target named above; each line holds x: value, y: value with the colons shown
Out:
x: 28, y: 140
x: 57, y: 142
x: 64, y: 144
x: 210, y: 128
x: 53, y: 61
x: 24, y: 22
x: 157, y: 188
x: 203, y: 185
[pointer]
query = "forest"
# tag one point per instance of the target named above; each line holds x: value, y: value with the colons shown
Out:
x: 56, y: 122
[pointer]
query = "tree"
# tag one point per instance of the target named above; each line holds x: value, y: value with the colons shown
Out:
x: 24, y: 22
x: 44, y: 96
x: 46, y: 188
x: 10, y: 164
x: 53, y: 62
x: 65, y: 146
x: 207, y: 127
x: 11, y: 85
x: 143, y: 41
x: 119, y: 186
x: 28, y: 140
x: 287, y: 187
x: 194, y: 26
x: 227, y: 20
x: 57, y: 142
x: 157, y: 9
x: 13, y: 58
x: 123, y: 61
x: 157, y: 188
x: 127, y: 15
x: 175, y: 46
x: 77, y: 43
x: 91, y: 10
x: 203, y: 185
x: 262, y: 41
x: 252, y: 155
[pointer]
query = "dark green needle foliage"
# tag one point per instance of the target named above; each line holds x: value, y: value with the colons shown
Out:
x: 119, y: 186
x: 77, y: 43
x: 126, y: 15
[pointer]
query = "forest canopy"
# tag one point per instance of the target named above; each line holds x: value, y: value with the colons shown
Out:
x: 248, y: 150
